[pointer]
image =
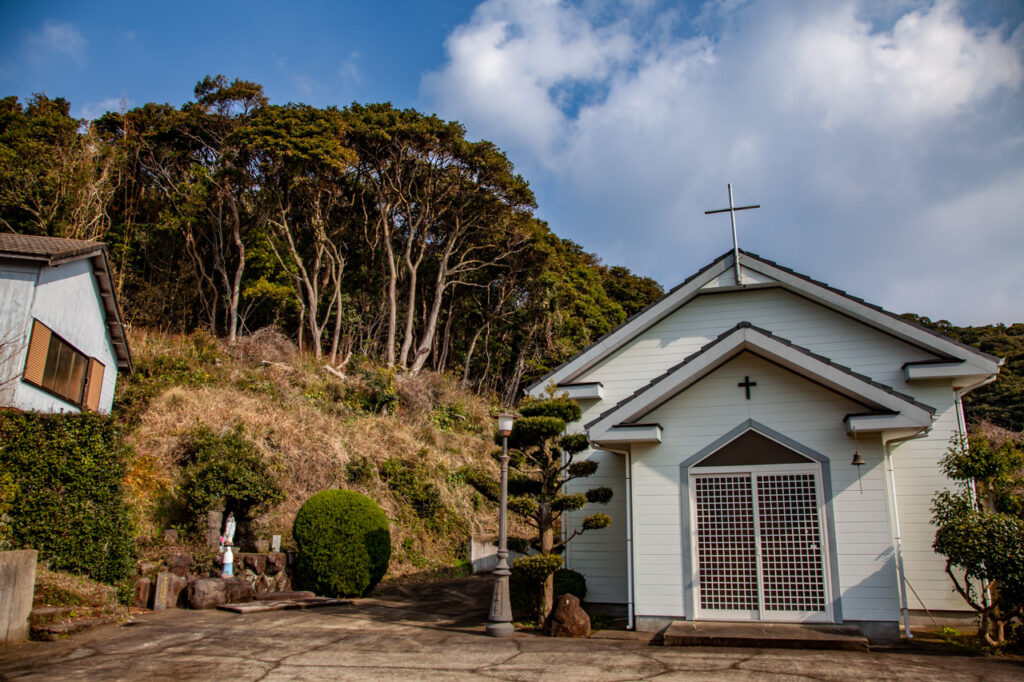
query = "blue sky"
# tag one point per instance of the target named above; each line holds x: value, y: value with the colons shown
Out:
x: 883, y: 138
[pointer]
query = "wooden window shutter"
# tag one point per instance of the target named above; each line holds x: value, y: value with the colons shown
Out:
x: 94, y: 385
x: 38, y: 346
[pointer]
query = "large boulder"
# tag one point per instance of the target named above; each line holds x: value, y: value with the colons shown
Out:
x: 238, y: 590
x: 206, y: 593
x: 568, y: 619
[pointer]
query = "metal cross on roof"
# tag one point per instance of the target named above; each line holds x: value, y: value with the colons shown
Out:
x: 735, y: 242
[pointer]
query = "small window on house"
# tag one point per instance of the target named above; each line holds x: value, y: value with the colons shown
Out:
x: 56, y: 366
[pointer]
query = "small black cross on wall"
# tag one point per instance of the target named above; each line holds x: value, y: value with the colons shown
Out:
x: 747, y: 383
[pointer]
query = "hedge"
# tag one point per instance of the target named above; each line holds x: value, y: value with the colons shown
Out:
x: 69, y: 502
x: 344, y: 544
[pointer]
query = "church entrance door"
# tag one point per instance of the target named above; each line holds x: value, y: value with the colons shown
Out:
x: 760, y: 544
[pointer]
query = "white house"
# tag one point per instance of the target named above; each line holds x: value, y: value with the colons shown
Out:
x: 62, y: 338
x: 725, y: 418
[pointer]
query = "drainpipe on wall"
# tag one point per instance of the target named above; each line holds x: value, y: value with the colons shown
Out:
x: 902, y: 584
x: 629, y: 540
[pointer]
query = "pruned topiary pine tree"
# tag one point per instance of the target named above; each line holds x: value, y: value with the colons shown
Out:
x: 541, y: 464
x: 981, y: 529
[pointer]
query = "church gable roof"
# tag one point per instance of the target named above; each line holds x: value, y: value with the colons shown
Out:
x: 963, y: 359
x: 898, y: 409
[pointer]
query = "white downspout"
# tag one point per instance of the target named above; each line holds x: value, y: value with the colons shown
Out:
x: 887, y: 449
x: 629, y: 540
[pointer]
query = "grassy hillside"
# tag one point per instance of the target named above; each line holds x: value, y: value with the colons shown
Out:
x: 402, y: 440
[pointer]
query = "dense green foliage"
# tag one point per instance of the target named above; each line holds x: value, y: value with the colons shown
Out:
x: 541, y: 464
x: 1001, y: 402
x: 225, y: 473
x: 525, y: 593
x: 344, y: 544
x: 68, y: 499
x: 367, y: 230
x: 981, y: 529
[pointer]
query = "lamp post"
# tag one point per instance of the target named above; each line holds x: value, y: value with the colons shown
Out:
x: 500, y: 624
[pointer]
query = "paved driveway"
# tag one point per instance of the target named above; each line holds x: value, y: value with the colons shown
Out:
x: 431, y: 633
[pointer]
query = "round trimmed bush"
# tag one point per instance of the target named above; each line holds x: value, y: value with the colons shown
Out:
x: 344, y: 544
x: 525, y: 591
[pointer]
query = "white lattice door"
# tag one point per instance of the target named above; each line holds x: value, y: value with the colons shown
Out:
x: 760, y: 550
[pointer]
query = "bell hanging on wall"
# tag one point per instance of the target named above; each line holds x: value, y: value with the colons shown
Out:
x: 858, y: 461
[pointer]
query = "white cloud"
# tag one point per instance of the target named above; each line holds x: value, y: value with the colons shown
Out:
x: 56, y: 40
x: 90, y: 111
x: 878, y: 138
x: 348, y: 72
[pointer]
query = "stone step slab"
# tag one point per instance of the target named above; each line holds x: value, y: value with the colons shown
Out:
x: 766, y: 635
x: 265, y: 605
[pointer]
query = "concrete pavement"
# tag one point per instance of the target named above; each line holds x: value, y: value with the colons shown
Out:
x: 427, y: 633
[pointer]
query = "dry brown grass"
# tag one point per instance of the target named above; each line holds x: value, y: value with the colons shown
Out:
x: 299, y: 417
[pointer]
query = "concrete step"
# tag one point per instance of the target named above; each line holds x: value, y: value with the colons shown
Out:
x: 765, y: 635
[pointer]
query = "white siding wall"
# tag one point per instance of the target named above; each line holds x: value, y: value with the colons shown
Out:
x: 16, y: 284
x: 918, y: 479
x: 800, y: 410
x: 67, y: 301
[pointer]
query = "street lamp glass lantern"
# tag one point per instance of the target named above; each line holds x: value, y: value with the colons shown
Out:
x: 505, y: 424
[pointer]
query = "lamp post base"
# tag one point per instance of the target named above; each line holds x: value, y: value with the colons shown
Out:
x: 500, y: 629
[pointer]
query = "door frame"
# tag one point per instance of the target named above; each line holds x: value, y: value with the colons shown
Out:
x: 687, y: 512
x: 761, y: 614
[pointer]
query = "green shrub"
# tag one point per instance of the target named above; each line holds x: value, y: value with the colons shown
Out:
x: 226, y: 473
x: 68, y: 497
x: 525, y: 591
x: 360, y: 469
x: 344, y: 544
x: 406, y: 481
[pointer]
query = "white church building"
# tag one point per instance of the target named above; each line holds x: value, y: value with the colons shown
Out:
x: 726, y: 417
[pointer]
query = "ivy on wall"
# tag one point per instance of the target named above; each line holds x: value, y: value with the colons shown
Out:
x: 68, y: 500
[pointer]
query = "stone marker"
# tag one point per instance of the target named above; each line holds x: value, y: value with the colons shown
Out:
x: 568, y: 619
x: 163, y: 580
x: 206, y: 593
x: 17, y: 585
x: 275, y: 543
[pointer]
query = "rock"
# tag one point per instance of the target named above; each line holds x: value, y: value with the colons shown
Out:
x: 256, y: 562
x: 282, y: 583
x: 180, y: 563
x: 214, y: 521
x: 143, y: 592
x: 262, y: 585
x: 276, y: 562
x: 149, y: 569
x: 568, y: 619
x: 171, y: 536
x: 238, y: 590
x: 206, y: 593
x: 175, y: 589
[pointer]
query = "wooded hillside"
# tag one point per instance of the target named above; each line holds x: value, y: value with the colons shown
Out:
x: 367, y: 230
